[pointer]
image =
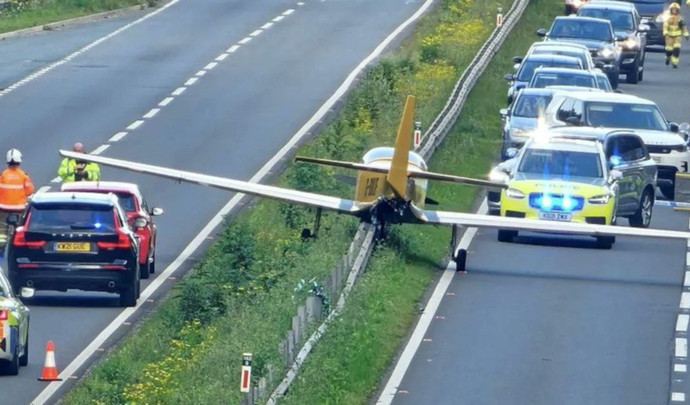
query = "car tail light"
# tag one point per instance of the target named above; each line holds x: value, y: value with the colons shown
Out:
x: 123, y: 242
x: 3, y: 315
x: 20, y: 240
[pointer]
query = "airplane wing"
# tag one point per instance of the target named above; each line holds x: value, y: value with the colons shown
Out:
x: 276, y: 193
x: 521, y: 224
x: 414, y: 174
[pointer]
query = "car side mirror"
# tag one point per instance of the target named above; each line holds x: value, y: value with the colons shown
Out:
x: 572, y: 121
x: 27, y: 292
x: 673, y: 127
x: 509, y: 77
x: 13, y: 219
x: 616, y: 175
x: 541, y: 32
x: 517, y: 59
x: 684, y: 130
x: 510, y: 153
x: 599, y: 65
x: 140, y: 222
x: 503, y: 112
x: 644, y: 27
x: 155, y: 211
x: 516, y: 67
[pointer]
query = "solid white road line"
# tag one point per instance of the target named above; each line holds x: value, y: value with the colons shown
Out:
x: 681, y: 347
x: 118, y: 136
x: 100, y: 149
x: 417, y: 337
x: 166, y: 101
x: 136, y: 124
x: 219, y: 218
x: 84, y: 49
x: 682, y: 323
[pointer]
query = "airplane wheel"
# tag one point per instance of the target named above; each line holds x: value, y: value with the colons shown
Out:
x: 460, y: 260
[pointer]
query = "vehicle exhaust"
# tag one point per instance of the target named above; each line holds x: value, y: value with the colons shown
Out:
x: 111, y: 284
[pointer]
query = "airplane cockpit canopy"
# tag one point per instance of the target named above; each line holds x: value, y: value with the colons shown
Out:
x: 386, y: 153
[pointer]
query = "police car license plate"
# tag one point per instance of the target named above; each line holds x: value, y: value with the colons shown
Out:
x: 555, y: 216
x: 76, y: 247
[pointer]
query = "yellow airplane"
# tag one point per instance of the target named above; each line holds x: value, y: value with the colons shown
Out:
x: 391, y: 189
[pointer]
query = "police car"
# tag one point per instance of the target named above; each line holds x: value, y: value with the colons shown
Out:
x: 14, y: 328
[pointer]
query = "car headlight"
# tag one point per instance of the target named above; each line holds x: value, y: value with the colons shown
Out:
x: 519, y: 132
x: 606, y: 53
x: 600, y: 199
x: 631, y: 43
x: 662, y: 17
x: 515, y: 194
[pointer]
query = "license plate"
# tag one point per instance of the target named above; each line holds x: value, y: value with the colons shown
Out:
x: 555, y: 216
x: 78, y: 247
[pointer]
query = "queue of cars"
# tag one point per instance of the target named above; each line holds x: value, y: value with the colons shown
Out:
x: 575, y: 149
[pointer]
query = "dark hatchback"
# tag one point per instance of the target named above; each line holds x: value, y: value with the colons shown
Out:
x: 71, y: 240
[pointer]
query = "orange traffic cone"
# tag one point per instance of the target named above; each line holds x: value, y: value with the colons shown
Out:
x: 50, y: 372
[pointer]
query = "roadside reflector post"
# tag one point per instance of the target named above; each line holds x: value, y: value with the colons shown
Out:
x: 417, y: 134
x: 499, y: 17
x: 246, y: 377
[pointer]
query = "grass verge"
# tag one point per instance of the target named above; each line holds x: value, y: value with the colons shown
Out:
x: 347, y: 365
x: 242, y: 296
x: 20, y: 14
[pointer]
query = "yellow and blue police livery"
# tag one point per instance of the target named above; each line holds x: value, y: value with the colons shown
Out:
x: 14, y: 328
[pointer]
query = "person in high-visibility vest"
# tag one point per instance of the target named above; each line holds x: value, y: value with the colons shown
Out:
x: 72, y: 170
x: 674, y: 28
x: 15, y: 188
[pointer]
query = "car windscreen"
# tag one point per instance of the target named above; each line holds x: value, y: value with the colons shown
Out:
x: 531, y: 105
x: 570, y: 28
x: 71, y: 217
x: 542, y: 79
x: 619, y: 115
x: 528, y: 67
x: 549, y: 163
x: 620, y: 19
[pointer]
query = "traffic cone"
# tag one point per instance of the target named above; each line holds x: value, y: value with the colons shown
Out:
x: 50, y: 372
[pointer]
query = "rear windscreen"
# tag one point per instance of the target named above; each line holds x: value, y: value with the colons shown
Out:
x: 71, y: 217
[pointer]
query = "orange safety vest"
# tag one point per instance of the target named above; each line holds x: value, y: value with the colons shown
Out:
x: 15, y: 186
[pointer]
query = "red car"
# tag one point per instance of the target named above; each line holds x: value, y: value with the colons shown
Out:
x: 133, y: 203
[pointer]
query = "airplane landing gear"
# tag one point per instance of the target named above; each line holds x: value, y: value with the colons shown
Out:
x: 306, y: 232
x: 460, y: 258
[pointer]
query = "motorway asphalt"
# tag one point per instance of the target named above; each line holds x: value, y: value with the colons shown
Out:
x: 555, y: 321
x: 230, y: 122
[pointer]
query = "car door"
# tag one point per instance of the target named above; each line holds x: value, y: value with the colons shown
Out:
x: 626, y: 153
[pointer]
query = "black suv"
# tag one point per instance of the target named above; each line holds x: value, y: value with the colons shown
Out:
x: 71, y: 240
x: 596, y: 34
x: 653, y: 13
x: 630, y: 34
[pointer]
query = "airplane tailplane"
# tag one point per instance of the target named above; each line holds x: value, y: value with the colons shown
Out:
x: 397, y: 176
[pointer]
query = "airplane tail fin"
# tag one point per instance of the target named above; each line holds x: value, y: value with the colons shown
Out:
x: 397, y: 176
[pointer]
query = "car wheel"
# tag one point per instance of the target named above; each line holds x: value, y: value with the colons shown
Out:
x: 144, y: 270
x: 506, y: 236
x: 152, y: 265
x: 24, y: 358
x: 11, y: 367
x: 640, y: 75
x: 633, y: 77
x: 613, y: 78
x: 460, y: 260
x: 643, y: 216
x: 668, y: 192
x: 605, y: 242
x: 128, y: 296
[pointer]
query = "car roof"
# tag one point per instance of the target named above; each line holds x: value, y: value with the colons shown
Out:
x: 535, y: 92
x: 611, y: 97
x: 74, y: 197
x: 613, y: 5
x: 581, y: 18
x: 549, y: 69
x: 565, y: 144
x: 548, y: 57
x: 559, y: 44
x: 565, y: 88
x: 99, y: 186
x: 594, y: 132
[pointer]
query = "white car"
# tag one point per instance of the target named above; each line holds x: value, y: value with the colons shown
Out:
x: 14, y: 328
x: 624, y: 111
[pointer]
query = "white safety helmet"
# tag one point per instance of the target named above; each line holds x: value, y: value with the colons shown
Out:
x: 14, y: 156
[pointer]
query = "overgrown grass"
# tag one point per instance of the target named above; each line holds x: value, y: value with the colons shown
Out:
x: 347, y: 365
x: 21, y: 14
x: 241, y: 297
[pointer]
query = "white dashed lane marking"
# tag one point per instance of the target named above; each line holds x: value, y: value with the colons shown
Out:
x: 678, y: 397
x: 200, y: 73
x: 681, y: 347
x: 244, y: 40
x: 136, y: 124
x: 682, y: 323
x: 686, y: 280
x: 166, y: 101
x: 152, y: 113
x: 191, y: 81
x: 179, y: 91
x: 267, y: 26
x: 277, y: 19
x: 288, y: 12
x: 685, y: 300
x: 680, y: 368
x: 43, y: 189
x: 100, y: 149
x: 221, y: 57
x: 211, y: 65
x: 233, y: 48
x: 117, y: 136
